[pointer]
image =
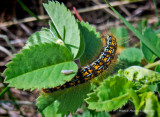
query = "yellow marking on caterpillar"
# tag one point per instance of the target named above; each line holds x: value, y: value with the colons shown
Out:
x: 100, y: 63
x: 87, y: 78
x: 85, y: 73
x: 90, y: 70
x: 94, y: 68
x: 72, y: 83
x: 105, y: 59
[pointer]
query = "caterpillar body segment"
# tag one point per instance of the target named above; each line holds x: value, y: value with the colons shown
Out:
x: 95, y: 68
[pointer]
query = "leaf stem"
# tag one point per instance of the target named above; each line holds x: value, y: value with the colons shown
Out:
x: 152, y: 64
x: 7, y: 89
x: 77, y: 14
x: 27, y: 9
x: 4, y: 91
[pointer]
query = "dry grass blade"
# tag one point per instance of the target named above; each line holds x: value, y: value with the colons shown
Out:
x: 7, y: 41
x: 106, y: 9
x: 103, y: 6
x: 96, y: 7
x: 25, y: 20
x: 3, y: 49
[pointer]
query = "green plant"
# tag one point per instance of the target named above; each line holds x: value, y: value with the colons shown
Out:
x: 49, y: 51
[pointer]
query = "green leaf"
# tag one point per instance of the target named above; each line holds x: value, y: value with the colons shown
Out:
x: 142, y: 98
x: 51, y: 110
x: 103, y: 114
x: 142, y: 25
x: 136, y: 32
x: 138, y: 97
x: 111, y: 95
x: 158, y: 85
x: 63, y: 102
x: 142, y: 75
x: 135, y: 99
x: 131, y: 56
x: 65, y: 25
x: 158, y: 68
x: 152, y: 105
x: 154, y: 40
x: 44, y: 36
x: 40, y: 67
x: 88, y: 113
x: 158, y: 88
x: 152, y: 87
x: 82, y: 43
x: 53, y: 29
x: 147, y: 102
x: 122, y: 35
x: 93, y: 43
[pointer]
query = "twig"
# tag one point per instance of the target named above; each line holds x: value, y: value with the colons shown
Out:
x: 125, y: 10
x: 77, y: 14
x: 19, y: 40
x: 25, y: 20
x: 23, y: 26
x: 3, y: 49
x: 135, y: 19
x: 3, y: 63
x: 139, y: 10
x: 43, y: 17
x: 102, y: 6
x: 106, y: 9
x: 18, y: 102
x: 13, y: 36
x: 41, y: 7
x: 7, y: 41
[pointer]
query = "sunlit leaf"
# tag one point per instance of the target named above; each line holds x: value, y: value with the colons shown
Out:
x: 40, y: 67
x: 111, y: 95
x: 65, y: 25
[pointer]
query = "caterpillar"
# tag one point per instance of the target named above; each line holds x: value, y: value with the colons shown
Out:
x: 95, y: 68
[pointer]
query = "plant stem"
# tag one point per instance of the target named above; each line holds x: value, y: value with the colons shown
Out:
x: 27, y: 9
x: 4, y: 91
x: 9, y: 94
x: 77, y: 14
x: 152, y: 64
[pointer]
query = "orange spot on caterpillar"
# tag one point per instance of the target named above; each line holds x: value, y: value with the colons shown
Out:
x: 95, y: 68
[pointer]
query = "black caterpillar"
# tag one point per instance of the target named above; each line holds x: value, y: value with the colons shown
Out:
x: 92, y: 70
